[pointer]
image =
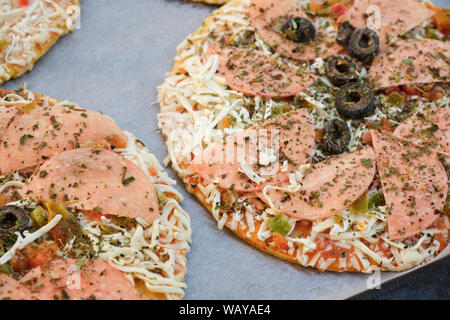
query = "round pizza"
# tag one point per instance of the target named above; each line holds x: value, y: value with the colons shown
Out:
x: 217, y: 2
x: 318, y: 131
x: 86, y: 212
x: 29, y: 28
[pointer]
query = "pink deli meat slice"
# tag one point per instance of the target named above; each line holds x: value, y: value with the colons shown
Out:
x: 427, y: 129
x: 331, y: 186
x: 414, y: 185
x: 256, y: 73
x: 94, y: 280
x: 6, y: 116
x: 389, y: 19
x: 42, y: 132
x: 92, y: 180
x: 290, y: 136
x: 412, y: 62
x: 267, y: 17
x: 11, y: 289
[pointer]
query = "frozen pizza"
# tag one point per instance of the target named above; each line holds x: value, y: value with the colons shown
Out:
x: 210, y: 1
x: 318, y: 131
x: 29, y: 28
x: 86, y: 211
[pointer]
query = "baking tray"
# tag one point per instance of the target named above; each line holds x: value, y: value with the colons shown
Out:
x: 114, y: 62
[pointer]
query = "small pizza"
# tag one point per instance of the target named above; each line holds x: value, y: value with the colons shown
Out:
x: 216, y: 2
x: 86, y: 212
x: 318, y: 131
x: 29, y: 28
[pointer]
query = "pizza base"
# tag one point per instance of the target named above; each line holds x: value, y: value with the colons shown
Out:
x: 251, y: 237
x: 13, y: 71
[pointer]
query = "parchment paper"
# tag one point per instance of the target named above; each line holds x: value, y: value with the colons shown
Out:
x: 114, y: 63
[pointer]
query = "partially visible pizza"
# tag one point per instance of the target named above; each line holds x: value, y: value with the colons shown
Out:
x: 86, y: 212
x: 217, y: 2
x: 29, y: 28
x: 318, y: 131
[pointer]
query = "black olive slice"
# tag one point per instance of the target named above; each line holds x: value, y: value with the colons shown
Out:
x: 354, y: 101
x: 12, y: 219
x: 299, y: 30
x: 336, y: 137
x: 364, y: 44
x: 341, y: 70
x: 344, y: 33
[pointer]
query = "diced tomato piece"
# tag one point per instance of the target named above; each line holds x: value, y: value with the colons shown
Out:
x: 319, y: 135
x: 338, y: 9
x: 314, y: 7
x: 386, y: 125
x: 389, y: 90
x: 24, y: 3
x: 367, y: 137
x: 441, y: 19
x: 226, y: 122
x: 442, y: 22
x: 433, y: 94
x: 38, y: 254
x: 411, y: 91
x: 95, y: 216
x: 152, y: 172
x: 280, y: 241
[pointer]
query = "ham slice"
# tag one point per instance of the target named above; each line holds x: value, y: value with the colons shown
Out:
x: 288, y: 137
x: 91, y: 180
x: 411, y: 62
x: 256, y: 73
x: 331, y: 186
x: 414, y: 185
x: 40, y: 133
x: 389, y: 19
x: 11, y: 289
x: 94, y: 280
x: 427, y: 129
x: 6, y: 116
x: 267, y: 16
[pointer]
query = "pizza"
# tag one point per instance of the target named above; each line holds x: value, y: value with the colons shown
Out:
x: 29, y: 28
x: 86, y: 211
x: 217, y: 2
x: 318, y: 131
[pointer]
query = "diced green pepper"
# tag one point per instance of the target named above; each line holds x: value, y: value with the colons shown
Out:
x: 376, y: 200
x: 3, y: 44
x: 395, y: 99
x: 39, y: 216
x: 55, y: 208
x: 279, y: 224
x: 360, y: 205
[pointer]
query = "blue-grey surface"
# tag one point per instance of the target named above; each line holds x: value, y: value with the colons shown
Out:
x: 114, y: 63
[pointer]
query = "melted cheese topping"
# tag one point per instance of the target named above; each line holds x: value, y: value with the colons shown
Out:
x: 194, y: 101
x: 153, y: 254
x: 27, y: 238
x: 24, y: 31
